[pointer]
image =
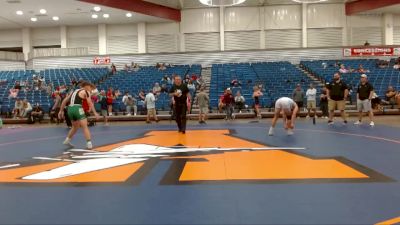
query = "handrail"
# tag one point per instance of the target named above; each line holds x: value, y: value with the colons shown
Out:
x: 13, y: 56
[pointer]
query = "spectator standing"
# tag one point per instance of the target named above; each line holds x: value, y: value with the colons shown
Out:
x: 323, y: 103
x: 110, y: 99
x: 203, y: 101
x: 229, y: 101
x: 311, y: 95
x: 298, y: 96
x: 256, y: 96
x: 150, y: 102
x: 104, y: 106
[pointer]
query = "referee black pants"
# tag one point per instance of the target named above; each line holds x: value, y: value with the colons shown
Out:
x: 180, y: 116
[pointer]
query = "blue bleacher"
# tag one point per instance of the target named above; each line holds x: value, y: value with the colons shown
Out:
x: 55, y: 76
x: 144, y: 79
x: 277, y: 78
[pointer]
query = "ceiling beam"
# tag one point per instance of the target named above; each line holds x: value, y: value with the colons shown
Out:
x: 366, y: 5
x: 141, y: 6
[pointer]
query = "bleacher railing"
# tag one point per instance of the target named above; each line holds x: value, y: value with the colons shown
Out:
x: 56, y: 52
x: 14, y: 56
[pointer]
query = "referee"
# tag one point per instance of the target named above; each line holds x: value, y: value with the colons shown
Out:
x: 180, y: 92
x: 364, y: 95
x: 337, y: 92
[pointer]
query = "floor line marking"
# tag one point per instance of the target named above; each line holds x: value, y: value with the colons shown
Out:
x: 389, y: 222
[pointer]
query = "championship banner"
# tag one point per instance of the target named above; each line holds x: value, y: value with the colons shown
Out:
x: 371, y: 51
x: 101, y: 60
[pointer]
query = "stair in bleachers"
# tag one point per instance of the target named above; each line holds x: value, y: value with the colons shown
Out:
x: 206, y: 76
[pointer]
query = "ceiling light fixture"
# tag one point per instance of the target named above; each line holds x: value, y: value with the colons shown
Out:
x: 309, y: 1
x: 106, y: 16
x: 43, y: 11
x: 19, y: 12
x: 94, y: 16
x: 97, y: 8
x: 33, y: 19
x: 56, y: 18
x: 221, y: 2
x: 129, y: 15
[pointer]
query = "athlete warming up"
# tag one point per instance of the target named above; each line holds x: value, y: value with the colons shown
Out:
x: 76, y: 112
x: 288, y: 108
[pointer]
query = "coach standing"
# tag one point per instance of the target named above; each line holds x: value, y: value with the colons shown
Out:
x: 180, y: 92
x: 364, y: 96
x: 337, y: 92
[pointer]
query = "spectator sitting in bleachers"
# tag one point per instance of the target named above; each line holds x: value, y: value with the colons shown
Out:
x: 131, y: 104
x: 343, y: 69
x: 382, y: 64
x: 127, y: 68
x: 17, y: 108
x: 161, y: 66
x: 125, y: 102
x: 142, y: 96
x: 239, y: 101
x: 361, y: 69
x: 17, y: 85
x: 157, y: 89
x: 396, y: 66
x: 37, y: 113
x: 236, y: 83
x: 26, y: 108
x: 390, y: 97
x: 113, y: 69
x: 13, y: 93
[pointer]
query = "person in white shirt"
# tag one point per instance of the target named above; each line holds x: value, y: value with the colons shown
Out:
x: 311, y: 95
x: 26, y: 108
x: 125, y: 101
x: 150, y: 103
x: 288, y: 108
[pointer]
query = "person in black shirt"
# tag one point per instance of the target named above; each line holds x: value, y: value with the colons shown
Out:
x: 323, y: 103
x: 36, y: 113
x: 337, y: 92
x: 180, y: 92
x: 364, y: 96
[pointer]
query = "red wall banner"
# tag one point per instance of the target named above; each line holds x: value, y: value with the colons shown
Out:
x: 101, y: 60
x: 371, y: 51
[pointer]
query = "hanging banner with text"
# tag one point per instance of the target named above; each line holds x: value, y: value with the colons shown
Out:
x: 371, y: 51
x: 101, y: 60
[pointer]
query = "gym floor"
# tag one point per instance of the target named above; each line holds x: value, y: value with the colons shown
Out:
x: 219, y: 173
